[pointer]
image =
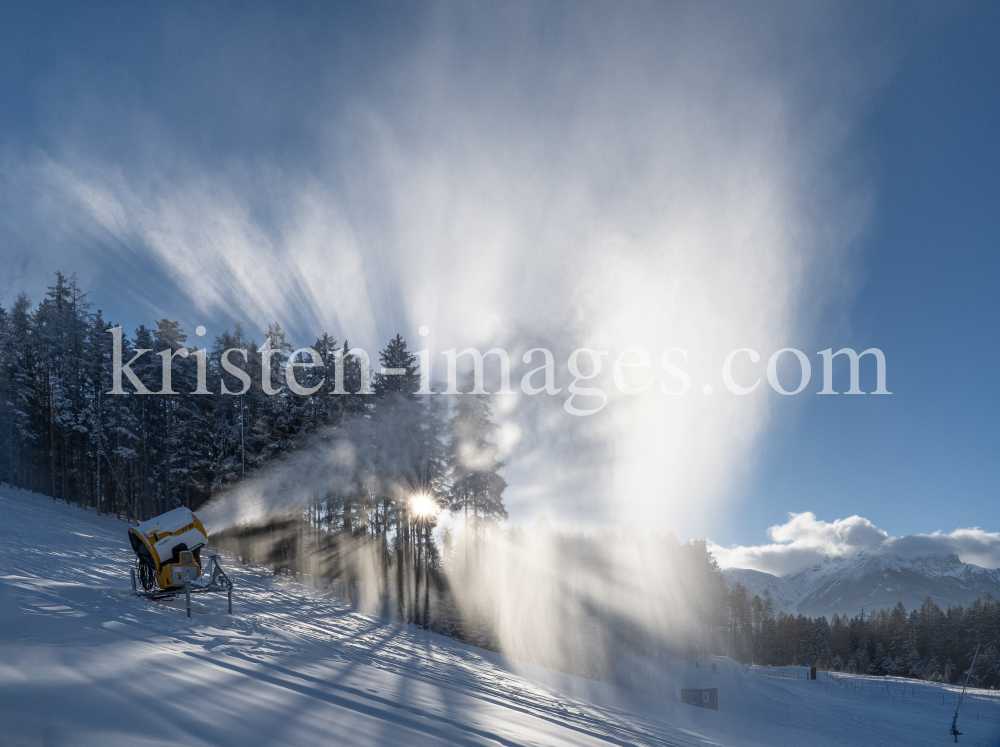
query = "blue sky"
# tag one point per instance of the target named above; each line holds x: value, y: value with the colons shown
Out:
x: 557, y: 175
x: 928, y: 293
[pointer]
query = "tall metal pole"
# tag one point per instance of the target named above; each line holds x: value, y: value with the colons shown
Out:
x: 954, y: 722
x: 128, y: 505
x: 243, y: 448
x: 427, y: 578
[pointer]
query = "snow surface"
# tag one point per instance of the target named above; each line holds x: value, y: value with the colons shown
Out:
x: 84, y: 662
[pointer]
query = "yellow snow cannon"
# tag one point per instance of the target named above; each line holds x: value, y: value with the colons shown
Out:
x: 168, y: 558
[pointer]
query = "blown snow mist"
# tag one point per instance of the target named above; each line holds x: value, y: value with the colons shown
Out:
x: 653, y: 178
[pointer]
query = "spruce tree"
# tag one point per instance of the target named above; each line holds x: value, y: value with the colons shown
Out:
x: 396, y: 357
x: 476, y: 485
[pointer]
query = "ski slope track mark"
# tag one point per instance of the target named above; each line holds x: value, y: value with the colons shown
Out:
x: 84, y: 662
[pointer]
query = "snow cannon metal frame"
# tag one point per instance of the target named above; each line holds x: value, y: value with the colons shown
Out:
x: 168, y: 559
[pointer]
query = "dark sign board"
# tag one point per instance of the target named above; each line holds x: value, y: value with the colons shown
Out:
x: 707, y: 697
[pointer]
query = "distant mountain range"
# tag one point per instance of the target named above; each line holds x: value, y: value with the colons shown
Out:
x: 870, y: 582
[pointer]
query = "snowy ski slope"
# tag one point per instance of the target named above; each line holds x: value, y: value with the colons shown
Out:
x: 83, y: 662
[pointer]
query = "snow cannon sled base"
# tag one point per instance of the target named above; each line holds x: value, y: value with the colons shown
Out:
x: 168, y: 559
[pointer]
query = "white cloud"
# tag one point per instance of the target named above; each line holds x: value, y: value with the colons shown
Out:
x: 804, y: 540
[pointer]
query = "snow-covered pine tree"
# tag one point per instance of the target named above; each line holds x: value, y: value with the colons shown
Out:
x: 277, y: 426
x: 400, y: 418
x: 24, y: 402
x: 322, y: 408
x: 476, y: 485
x: 167, y: 426
x: 98, y: 415
x: 144, y: 413
x: 60, y: 325
x: 6, y: 411
x: 396, y: 357
x: 354, y: 402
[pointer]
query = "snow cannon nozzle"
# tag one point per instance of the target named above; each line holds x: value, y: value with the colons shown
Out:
x: 168, y: 558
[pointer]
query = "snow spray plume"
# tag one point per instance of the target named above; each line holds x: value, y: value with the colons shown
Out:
x: 362, y: 456
x: 282, y: 488
x: 653, y: 177
x: 579, y: 603
x: 350, y: 505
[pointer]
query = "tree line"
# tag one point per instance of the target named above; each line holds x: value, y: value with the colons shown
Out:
x: 62, y: 434
x: 925, y: 643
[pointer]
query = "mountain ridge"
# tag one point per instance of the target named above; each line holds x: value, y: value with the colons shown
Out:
x: 870, y: 581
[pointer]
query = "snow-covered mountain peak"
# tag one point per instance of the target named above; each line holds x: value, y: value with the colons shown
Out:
x: 845, y: 584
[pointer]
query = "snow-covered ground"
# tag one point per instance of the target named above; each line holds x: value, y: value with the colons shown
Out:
x: 84, y: 662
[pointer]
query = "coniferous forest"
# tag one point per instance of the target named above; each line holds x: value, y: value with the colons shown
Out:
x: 64, y: 434
x: 925, y: 643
